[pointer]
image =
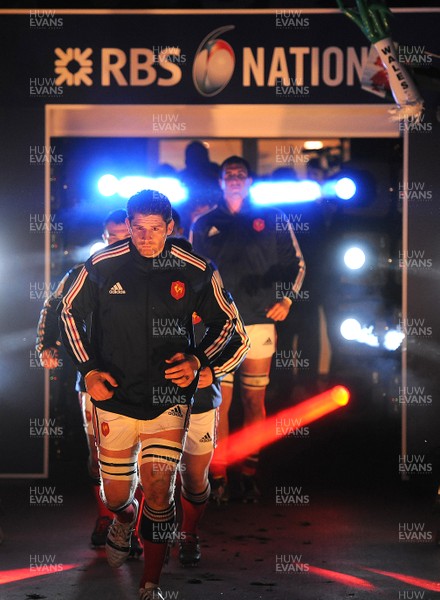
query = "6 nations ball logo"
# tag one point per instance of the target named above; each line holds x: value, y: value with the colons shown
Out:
x: 214, y: 63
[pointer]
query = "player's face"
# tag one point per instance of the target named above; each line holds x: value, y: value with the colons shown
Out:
x: 114, y: 232
x: 235, y: 181
x: 149, y: 233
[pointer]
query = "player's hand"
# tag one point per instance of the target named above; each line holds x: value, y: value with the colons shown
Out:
x: 183, y: 370
x: 280, y: 310
x: 205, y: 377
x: 50, y: 359
x: 96, y: 387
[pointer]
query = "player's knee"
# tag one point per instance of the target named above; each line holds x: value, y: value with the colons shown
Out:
x: 159, y: 460
x: 119, y: 480
x: 116, y: 496
x: 159, y: 484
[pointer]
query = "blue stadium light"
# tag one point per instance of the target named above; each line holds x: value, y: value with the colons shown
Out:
x: 354, y: 258
x: 343, y: 188
x: 352, y: 330
x: 284, y: 192
x: 126, y: 187
x: 108, y: 185
x: 393, y: 339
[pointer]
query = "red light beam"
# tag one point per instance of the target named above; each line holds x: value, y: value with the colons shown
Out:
x: 426, y: 584
x: 254, y: 437
x: 28, y: 572
x: 349, y: 580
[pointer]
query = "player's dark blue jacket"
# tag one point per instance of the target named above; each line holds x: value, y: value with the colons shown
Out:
x: 141, y: 315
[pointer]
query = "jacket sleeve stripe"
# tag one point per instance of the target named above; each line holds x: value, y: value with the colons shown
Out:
x: 218, y: 344
x: 188, y: 257
x: 49, y: 309
x: 296, y: 286
x: 218, y: 285
x: 70, y: 328
x: 48, y: 331
x: 232, y: 364
x: 104, y: 254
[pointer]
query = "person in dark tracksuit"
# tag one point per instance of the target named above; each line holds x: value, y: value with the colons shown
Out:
x: 142, y: 357
x: 261, y: 264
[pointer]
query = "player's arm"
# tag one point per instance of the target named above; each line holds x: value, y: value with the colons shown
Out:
x: 290, y: 257
x: 232, y: 356
x: 292, y: 269
x: 229, y: 360
x: 217, y: 310
x: 48, y: 332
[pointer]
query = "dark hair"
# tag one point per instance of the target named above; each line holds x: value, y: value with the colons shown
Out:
x: 149, y: 202
x: 115, y: 216
x: 235, y: 160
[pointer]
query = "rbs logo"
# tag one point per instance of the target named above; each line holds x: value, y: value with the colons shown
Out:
x: 138, y: 67
x: 143, y: 67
